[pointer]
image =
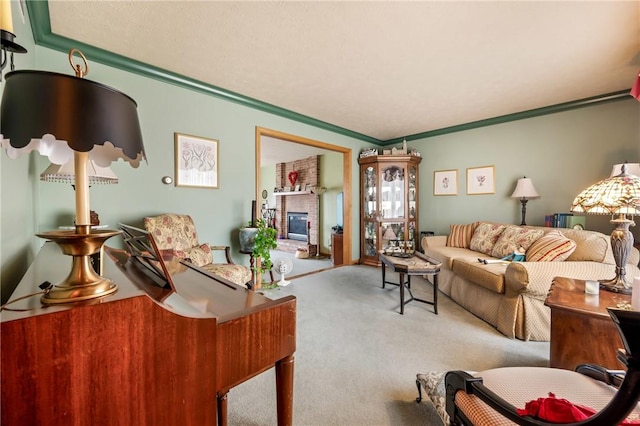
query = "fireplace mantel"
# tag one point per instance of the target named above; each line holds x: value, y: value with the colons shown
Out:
x: 277, y: 194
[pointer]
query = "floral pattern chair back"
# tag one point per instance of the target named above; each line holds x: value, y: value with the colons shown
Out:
x: 177, y: 233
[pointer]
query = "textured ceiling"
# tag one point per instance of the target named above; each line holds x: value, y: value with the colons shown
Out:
x: 383, y: 69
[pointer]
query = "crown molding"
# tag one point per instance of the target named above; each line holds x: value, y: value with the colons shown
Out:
x: 43, y: 36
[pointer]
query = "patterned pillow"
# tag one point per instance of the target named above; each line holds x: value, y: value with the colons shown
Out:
x: 552, y: 247
x: 513, y: 238
x: 485, y: 236
x: 460, y: 235
x: 199, y: 255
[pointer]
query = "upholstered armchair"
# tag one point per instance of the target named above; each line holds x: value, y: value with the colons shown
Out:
x: 590, y: 395
x: 177, y: 232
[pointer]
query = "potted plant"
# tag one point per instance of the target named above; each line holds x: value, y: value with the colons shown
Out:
x: 258, y: 239
x: 265, y: 240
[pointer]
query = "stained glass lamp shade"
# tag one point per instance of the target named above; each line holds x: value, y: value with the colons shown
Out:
x: 618, y: 196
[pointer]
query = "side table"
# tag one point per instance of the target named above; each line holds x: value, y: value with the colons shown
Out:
x: 581, y: 329
x: 252, y: 262
x: 418, y: 264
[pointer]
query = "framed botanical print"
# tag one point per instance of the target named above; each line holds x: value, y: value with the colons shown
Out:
x: 481, y: 180
x: 196, y: 161
x: 445, y: 182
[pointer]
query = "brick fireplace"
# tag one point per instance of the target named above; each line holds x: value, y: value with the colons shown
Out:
x: 308, y: 172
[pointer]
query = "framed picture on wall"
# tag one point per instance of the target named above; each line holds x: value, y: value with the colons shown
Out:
x: 445, y: 182
x: 196, y: 161
x: 481, y: 180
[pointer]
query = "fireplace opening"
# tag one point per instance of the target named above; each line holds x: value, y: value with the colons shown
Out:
x: 297, y: 226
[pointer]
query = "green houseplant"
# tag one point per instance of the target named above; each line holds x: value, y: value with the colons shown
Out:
x: 258, y: 240
x: 266, y: 240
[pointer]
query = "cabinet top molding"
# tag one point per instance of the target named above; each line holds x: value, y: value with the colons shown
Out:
x: 390, y: 159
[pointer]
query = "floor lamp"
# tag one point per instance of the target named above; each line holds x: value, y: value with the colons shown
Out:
x: 68, y: 118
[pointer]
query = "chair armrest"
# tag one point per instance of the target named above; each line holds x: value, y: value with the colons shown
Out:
x: 227, y: 252
x: 597, y: 372
x: 534, y: 278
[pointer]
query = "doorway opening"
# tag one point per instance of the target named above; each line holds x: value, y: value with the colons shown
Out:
x: 346, y: 174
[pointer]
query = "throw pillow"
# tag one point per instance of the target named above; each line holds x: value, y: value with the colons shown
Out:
x: 460, y: 235
x: 199, y: 255
x: 485, y: 237
x: 513, y: 238
x: 552, y: 247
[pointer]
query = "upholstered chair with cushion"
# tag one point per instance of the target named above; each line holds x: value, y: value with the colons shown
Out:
x: 590, y: 395
x: 177, y: 233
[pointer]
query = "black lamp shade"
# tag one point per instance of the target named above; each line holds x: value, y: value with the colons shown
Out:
x: 81, y: 112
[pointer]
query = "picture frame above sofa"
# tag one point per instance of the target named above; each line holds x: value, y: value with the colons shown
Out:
x: 445, y: 182
x: 481, y: 180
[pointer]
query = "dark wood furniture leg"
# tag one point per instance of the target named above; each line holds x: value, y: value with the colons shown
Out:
x: 222, y: 408
x: 284, y: 389
x: 383, y: 275
x: 401, y: 293
x: 435, y: 293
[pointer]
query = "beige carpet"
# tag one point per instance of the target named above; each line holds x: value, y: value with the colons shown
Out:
x: 357, y: 357
x: 300, y: 266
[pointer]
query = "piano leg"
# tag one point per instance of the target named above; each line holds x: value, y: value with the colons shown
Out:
x: 222, y: 408
x: 284, y: 389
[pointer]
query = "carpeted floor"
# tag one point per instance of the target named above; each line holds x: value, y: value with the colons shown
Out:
x: 357, y: 357
x: 300, y: 266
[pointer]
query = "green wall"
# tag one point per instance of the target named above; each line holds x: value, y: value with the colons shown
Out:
x: 331, y: 178
x: 17, y: 189
x: 563, y: 153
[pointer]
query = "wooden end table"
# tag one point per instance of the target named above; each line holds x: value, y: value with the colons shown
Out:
x: 418, y: 264
x: 252, y: 263
x: 581, y: 329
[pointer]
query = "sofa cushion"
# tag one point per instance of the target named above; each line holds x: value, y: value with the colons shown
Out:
x: 552, y: 247
x: 485, y: 237
x: 590, y: 246
x: 513, y: 238
x: 460, y: 235
x: 490, y: 276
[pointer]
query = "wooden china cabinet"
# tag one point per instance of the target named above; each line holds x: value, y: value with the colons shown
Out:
x: 388, y: 203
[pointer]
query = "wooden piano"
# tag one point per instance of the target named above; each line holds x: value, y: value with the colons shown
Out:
x: 145, y: 355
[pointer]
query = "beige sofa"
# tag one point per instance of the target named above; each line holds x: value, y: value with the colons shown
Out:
x: 510, y: 295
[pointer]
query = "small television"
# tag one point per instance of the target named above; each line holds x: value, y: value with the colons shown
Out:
x: 340, y: 209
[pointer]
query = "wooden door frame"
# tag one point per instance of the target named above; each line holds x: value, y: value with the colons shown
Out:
x: 346, y: 173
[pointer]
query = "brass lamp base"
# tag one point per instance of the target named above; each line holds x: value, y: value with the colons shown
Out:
x: 82, y: 283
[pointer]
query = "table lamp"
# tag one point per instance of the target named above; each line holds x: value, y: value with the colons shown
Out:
x: 618, y: 196
x: 65, y: 173
x: 525, y: 191
x: 68, y: 118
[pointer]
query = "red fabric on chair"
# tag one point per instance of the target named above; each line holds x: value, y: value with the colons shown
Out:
x: 558, y: 410
x: 635, y: 90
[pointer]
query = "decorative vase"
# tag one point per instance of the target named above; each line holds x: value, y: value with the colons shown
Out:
x: 247, y: 239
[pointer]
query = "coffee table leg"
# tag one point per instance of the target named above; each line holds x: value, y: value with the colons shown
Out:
x: 435, y: 294
x: 383, y: 273
x: 401, y: 294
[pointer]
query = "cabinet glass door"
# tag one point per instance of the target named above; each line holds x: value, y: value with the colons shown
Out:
x: 412, y: 192
x: 392, y: 181
x: 369, y: 194
x: 370, y: 239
